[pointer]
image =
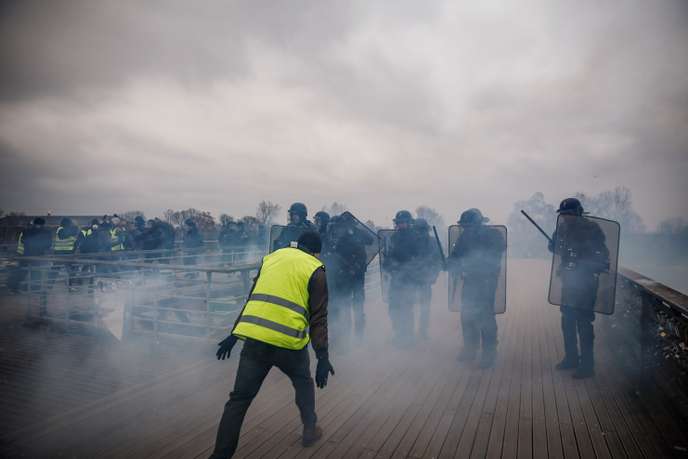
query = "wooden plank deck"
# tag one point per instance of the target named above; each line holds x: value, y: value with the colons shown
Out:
x: 388, y: 403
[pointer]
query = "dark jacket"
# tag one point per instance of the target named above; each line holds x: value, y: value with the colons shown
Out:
x: 317, y: 306
x: 38, y: 241
x: 291, y: 233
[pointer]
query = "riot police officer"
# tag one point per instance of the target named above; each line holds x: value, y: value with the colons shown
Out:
x: 297, y: 225
x: 428, y: 271
x: 346, y: 260
x: 402, y: 263
x: 584, y: 255
x: 321, y: 220
x: 476, y: 259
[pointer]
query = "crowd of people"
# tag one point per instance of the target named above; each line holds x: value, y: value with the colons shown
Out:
x: 411, y: 259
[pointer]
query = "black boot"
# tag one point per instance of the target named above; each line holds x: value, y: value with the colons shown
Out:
x: 586, y: 368
x: 311, y: 435
x: 568, y: 330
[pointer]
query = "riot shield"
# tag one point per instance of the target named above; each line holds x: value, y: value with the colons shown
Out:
x: 385, y: 244
x: 476, y: 266
x: 585, y: 260
x: 362, y: 234
x: 282, y: 236
x: 406, y: 257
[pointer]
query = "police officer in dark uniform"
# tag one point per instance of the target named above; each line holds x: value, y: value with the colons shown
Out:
x: 346, y: 259
x: 584, y: 254
x: 428, y: 272
x: 297, y: 225
x: 321, y: 220
x: 402, y: 263
x: 476, y: 257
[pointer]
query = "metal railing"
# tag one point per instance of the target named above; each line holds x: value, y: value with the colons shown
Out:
x: 145, y: 295
x: 649, y: 335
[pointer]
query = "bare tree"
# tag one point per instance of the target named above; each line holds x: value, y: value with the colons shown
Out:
x: 226, y: 219
x: 615, y: 205
x: 267, y: 211
x: 203, y: 219
x: 525, y: 240
x: 130, y: 215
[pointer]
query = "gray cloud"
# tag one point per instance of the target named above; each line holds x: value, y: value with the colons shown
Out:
x: 118, y: 105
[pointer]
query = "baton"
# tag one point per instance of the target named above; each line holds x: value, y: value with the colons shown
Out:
x: 536, y: 225
x: 439, y: 246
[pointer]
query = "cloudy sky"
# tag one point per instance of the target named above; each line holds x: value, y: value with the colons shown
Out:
x: 113, y: 106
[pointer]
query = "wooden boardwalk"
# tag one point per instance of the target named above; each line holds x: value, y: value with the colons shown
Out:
x: 385, y: 402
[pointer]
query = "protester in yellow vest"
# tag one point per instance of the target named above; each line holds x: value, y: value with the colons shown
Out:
x: 286, y: 308
x: 65, y: 237
x: 117, y: 234
x: 64, y: 244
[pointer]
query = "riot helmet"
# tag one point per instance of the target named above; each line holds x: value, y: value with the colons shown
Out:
x: 421, y: 225
x: 403, y: 219
x: 472, y: 217
x: 297, y: 213
x: 570, y: 206
x: 66, y: 222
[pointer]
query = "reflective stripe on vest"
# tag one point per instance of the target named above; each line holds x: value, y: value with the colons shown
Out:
x: 20, y: 244
x: 114, y: 239
x: 64, y: 245
x: 277, y: 312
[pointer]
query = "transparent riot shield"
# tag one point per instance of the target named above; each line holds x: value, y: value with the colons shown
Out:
x: 282, y: 236
x: 476, y: 266
x: 361, y: 234
x: 585, y: 260
x: 275, y: 233
x: 386, y: 249
x: 406, y: 256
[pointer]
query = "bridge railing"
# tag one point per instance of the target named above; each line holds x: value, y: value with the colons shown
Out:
x: 128, y: 297
x: 649, y: 333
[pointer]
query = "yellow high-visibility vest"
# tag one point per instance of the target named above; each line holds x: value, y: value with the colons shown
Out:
x: 20, y: 244
x: 65, y: 245
x: 115, y: 241
x: 277, y: 311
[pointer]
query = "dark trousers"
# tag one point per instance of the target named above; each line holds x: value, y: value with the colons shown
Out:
x: 576, y: 325
x: 254, y: 364
x: 479, y: 322
x: 424, y: 300
x: 402, y: 296
x: 346, y: 310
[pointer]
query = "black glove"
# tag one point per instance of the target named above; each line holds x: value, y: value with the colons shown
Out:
x: 322, y: 372
x: 226, y: 346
